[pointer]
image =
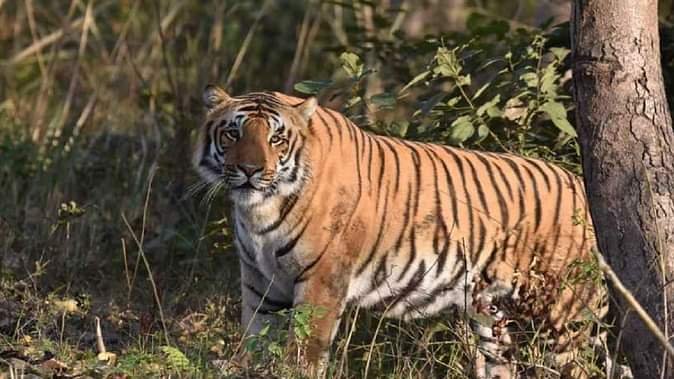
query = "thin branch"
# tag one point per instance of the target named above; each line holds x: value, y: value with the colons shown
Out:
x: 246, y: 42
x: 634, y: 304
x: 301, y: 40
x: 52, y: 37
x: 141, y: 252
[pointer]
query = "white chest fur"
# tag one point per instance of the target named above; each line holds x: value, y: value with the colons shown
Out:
x: 259, y: 249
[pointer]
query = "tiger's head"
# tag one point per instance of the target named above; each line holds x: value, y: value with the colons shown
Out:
x: 252, y: 145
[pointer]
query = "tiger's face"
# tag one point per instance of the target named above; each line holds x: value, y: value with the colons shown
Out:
x: 252, y: 145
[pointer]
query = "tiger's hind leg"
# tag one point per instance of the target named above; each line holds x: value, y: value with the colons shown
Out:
x: 492, y: 359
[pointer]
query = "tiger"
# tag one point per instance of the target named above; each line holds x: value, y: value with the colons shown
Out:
x: 329, y: 215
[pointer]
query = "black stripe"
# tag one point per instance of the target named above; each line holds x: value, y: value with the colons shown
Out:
x: 325, y: 124
x: 441, y: 226
x: 478, y: 185
x: 515, y: 167
x: 291, y: 149
x: 411, y: 286
x: 337, y: 125
x: 437, y: 293
x: 572, y: 178
x: 287, y: 205
x: 397, y: 162
x: 460, y: 267
x: 542, y: 169
x: 301, y: 277
x: 293, y: 241
x: 292, y: 177
x: 481, y: 239
x: 537, y: 197
x: 347, y: 126
x: 416, y: 163
x: 505, y: 179
x: 210, y: 165
x: 382, y: 163
x: 246, y: 254
x: 380, y: 235
x: 369, y: 160
x: 469, y: 201
x: 266, y: 300
x: 380, y: 273
x: 503, y: 208
x: 413, y: 253
x: 491, y: 258
x: 450, y: 189
x: 406, y: 220
x: 359, y: 174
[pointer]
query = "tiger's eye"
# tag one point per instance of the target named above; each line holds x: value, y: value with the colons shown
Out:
x: 232, y: 134
x: 275, y: 140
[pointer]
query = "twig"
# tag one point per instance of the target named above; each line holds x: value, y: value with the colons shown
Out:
x: 246, y: 42
x: 634, y: 304
x: 252, y: 318
x: 126, y: 270
x: 30, y: 14
x: 164, y: 56
x: 74, y: 79
x: 148, y: 48
x: 141, y: 253
x: 374, y: 339
x: 49, y: 39
x: 347, y: 342
x: 301, y: 40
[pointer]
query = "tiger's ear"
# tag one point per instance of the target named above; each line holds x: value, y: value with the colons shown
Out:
x: 214, y: 96
x: 307, y: 108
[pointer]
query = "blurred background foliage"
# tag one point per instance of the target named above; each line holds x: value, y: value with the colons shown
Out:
x: 100, y: 103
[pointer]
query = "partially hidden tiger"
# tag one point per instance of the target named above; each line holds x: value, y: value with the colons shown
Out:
x: 329, y: 215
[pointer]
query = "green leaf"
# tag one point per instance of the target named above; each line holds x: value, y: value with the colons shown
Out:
x: 463, y: 80
x: 482, y: 132
x: 416, y: 80
x: 560, y: 52
x: 264, y: 331
x: 489, y: 105
x: 479, y: 91
x: 557, y: 114
x: 275, y: 349
x: 447, y: 64
x: 530, y: 78
x: 549, y: 81
x: 251, y: 344
x: 383, y: 100
x: 461, y: 129
x: 352, y: 64
x: 312, y: 87
x: 453, y: 101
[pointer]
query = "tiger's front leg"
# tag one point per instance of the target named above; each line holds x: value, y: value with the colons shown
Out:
x: 261, y: 300
x: 322, y: 294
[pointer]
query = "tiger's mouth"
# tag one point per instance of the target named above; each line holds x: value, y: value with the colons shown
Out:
x: 247, y: 186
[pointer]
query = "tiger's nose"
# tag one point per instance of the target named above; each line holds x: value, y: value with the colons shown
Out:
x: 249, y: 169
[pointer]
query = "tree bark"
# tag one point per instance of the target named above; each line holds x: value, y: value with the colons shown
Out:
x: 627, y: 144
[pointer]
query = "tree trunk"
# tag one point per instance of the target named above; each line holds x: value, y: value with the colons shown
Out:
x: 627, y: 143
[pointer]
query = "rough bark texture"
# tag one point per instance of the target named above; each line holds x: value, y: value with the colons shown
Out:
x: 627, y: 145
